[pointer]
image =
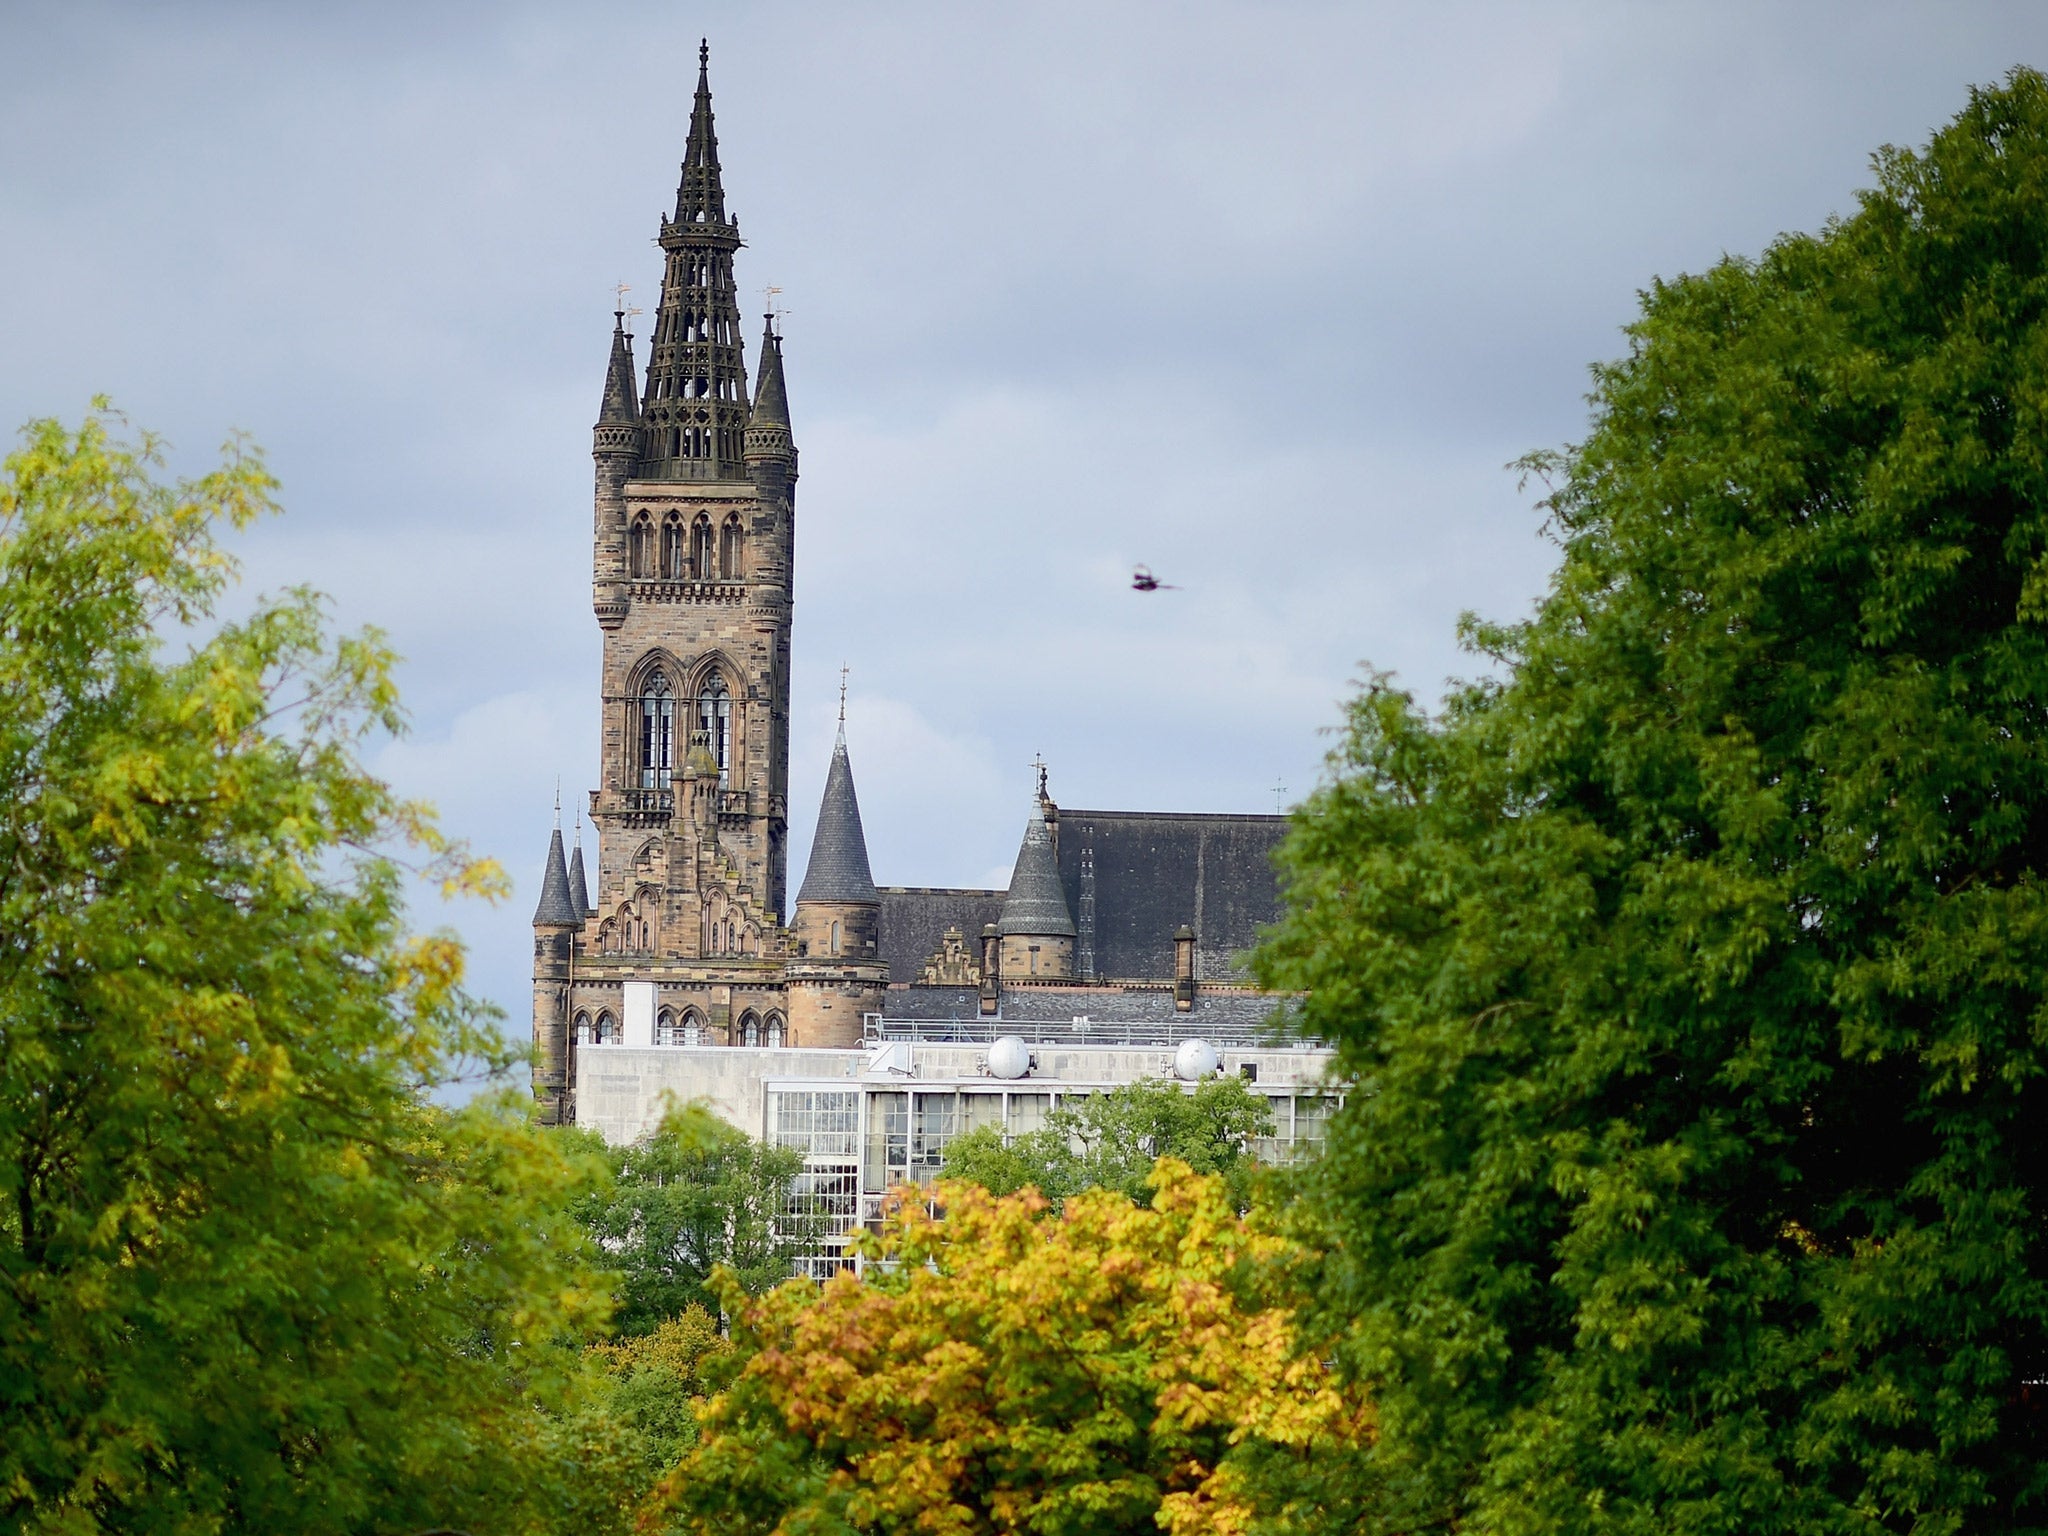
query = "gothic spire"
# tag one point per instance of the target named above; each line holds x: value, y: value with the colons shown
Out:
x: 695, y: 403
x: 839, y: 852
x: 621, y: 401
x: 1037, y: 902
x: 556, y: 909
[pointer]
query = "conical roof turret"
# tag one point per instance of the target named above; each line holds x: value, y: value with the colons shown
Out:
x: 557, y: 907
x: 579, y: 888
x: 621, y: 405
x: 1037, y: 902
x: 838, y: 870
x: 771, y: 398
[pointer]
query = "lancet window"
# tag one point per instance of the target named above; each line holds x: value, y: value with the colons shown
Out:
x: 672, y: 557
x: 640, y: 548
x: 729, y: 549
x: 657, y: 733
x: 714, y: 719
x: 775, y: 1031
x: 703, y: 553
x: 750, y: 1030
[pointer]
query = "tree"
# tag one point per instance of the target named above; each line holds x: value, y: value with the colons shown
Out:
x: 250, y: 1278
x: 1111, y: 1140
x: 1694, y: 974
x: 694, y: 1195
x: 1003, y: 1369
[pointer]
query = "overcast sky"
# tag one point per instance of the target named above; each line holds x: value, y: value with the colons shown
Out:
x: 1262, y: 295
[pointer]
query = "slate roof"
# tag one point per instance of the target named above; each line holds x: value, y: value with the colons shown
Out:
x: 556, y: 905
x: 839, y: 853
x: 1155, y: 870
x: 1035, y: 902
x: 914, y: 920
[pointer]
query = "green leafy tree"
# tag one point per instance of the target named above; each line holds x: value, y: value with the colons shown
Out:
x: 695, y: 1194
x: 1111, y: 1141
x: 1695, y: 974
x: 250, y: 1279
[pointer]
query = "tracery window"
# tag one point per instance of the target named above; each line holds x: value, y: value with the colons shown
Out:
x: 608, y: 1032
x: 729, y: 550
x: 657, y: 733
x: 583, y: 1029
x: 750, y: 1030
x: 703, y: 552
x: 672, y: 566
x: 693, y: 1027
x: 775, y: 1031
x: 714, y: 719
x: 665, y: 1032
x: 640, y: 553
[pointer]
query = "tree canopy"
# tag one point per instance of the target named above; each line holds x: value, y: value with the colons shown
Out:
x: 1001, y: 1368
x: 693, y: 1195
x: 1694, y: 973
x: 1111, y: 1140
x: 250, y: 1278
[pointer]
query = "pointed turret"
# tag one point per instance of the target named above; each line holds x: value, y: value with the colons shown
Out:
x: 1037, y: 925
x: 557, y: 908
x: 621, y: 399
x: 695, y: 403
x: 838, y: 870
x: 771, y: 399
x: 579, y: 889
x: 838, y: 972
x: 771, y: 450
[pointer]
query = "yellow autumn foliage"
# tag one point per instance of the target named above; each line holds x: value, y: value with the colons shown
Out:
x: 1002, y: 1368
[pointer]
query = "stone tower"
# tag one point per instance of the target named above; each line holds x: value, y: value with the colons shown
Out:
x: 693, y: 548
x: 692, y: 544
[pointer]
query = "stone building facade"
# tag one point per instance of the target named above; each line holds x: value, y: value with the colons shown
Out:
x: 679, y: 934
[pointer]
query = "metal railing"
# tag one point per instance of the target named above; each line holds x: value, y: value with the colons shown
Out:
x: 879, y: 1029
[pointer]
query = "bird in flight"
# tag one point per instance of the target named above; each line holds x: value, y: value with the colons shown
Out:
x: 1142, y: 580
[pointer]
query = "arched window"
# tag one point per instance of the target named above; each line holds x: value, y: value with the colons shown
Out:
x: 775, y: 1031
x: 729, y: 550
x: 583, y: 1029
x: 672, y: 567
x: 607, y: 1030
x: 665, y: 1028
x: 657, y: 733
x: 640, y: 553
x: 714, y: 719
x: 703, y: 553
x: 693, y: 1027
x: 835, y: 937
x: 750, y: 1030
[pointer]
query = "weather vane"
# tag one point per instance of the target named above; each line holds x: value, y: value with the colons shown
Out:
x: 624, y: 310
x: 1279, y: 795
x: 1038, y: 762
x: 843, y: 670
x: 775, y: 311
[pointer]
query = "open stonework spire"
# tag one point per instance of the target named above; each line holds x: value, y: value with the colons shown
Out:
x: 838, y: 869
x: 695, y: 403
